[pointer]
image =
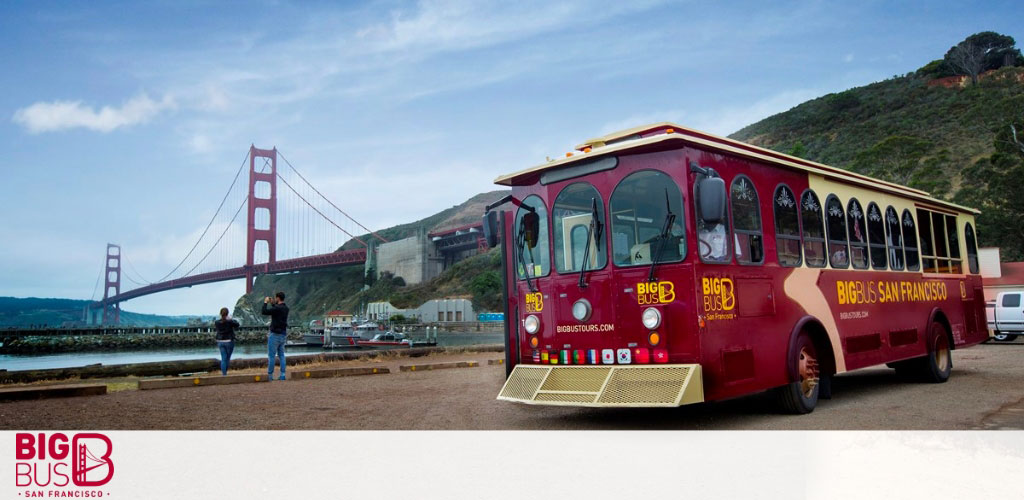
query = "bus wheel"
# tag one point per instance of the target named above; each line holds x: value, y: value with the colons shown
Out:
x: 1002, y: 337
x: 938, y: 364
x: 801, y: 396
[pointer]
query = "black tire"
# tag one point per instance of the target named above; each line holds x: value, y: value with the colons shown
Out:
x: 801, y: 396
x: 938, y: 364
x: 1010, y: 337
x: 1003, y: 337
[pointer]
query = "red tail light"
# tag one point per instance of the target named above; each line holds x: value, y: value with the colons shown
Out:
x: 641, y: 355
x: 661, y: 355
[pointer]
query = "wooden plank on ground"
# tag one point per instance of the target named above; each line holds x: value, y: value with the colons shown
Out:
x: 495, y: 361
x: 171, y: 383
x: 52, y: 391
x: 438, y: 366
x: 337, y: 372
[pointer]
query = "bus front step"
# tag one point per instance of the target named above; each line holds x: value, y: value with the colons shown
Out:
x: 618, y: 385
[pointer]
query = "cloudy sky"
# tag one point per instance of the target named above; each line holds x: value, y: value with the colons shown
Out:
x: 126, y: 123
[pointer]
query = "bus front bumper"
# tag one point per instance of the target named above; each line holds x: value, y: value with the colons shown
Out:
x: 612, y: 385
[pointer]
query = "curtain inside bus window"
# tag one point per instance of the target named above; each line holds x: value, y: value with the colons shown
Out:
x: 924, y: 230
x: 952, y: 236
x: 876, y: 237
x: 787, y: 227
x: 813, y: 230
x: 746, y: 221
x: 534, y: 260
x: 894, y: 239
x: 939, y: 230
x: 637, y: 211
x: 972, y: 248
x: 712, y: 239
x: 910, y: 241
x: 835, y: 224
x: 571, y: 215
x: 858, y: 234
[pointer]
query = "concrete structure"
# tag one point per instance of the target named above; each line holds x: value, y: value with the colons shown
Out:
x: 382, y: 311
x: 999, y: 276
x: 452, y: 310
x: 423, y: 257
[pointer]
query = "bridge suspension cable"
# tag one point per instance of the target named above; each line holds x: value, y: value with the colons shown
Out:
x: 328, y: 219
x: 368, y: 230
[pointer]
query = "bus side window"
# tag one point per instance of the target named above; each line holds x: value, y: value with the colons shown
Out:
x: 955, y: 264
x: 712, y: 239
x: 924, y: 230
x: 858, y: 234
x: 910, y: 241
x: 876, y: 237
x: 972, y: 248
x: 894, y: 239
x: 787, y: 227
x: 813, y: 231
x: 835, y: 223
x: 939, y: 230
x: 746, y: 221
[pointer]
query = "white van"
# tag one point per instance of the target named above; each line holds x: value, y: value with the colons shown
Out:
x: 1006, y: 316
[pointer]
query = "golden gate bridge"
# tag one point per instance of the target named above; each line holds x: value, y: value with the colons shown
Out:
x: 303, y: 226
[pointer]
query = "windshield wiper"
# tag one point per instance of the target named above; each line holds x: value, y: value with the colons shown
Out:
x: 666, y: 231
x: 593, y: 230
x: 522, y: 260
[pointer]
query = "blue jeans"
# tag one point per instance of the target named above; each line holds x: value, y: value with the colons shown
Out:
x: 226, y: 348
x: 275, y: 345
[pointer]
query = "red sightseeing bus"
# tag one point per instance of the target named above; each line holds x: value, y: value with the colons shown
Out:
x: 662, y: 266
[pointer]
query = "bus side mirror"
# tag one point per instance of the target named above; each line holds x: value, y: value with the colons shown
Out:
x: 711, y: 193
x: 529, y: 227
x: 491, y: 228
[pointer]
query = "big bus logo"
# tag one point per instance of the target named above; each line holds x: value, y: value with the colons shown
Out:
x: 718, y: 294
x: 534, y: 302
x: 55, y: 461
x: 660, y: 292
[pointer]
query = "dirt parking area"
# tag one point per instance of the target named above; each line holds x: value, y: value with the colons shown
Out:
x: 986, y: 391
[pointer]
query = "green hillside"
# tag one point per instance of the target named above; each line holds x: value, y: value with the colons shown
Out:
x: 26, y: 312
x: 951, y: 142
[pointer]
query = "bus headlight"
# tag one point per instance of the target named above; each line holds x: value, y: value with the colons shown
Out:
x: 581, y: 310
x: 531, y: 324
x: 651, y: 318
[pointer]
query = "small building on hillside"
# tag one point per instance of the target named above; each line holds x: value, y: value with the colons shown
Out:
x: 383, y: 311
x: 998, y: 276
x: 336, y: 318
x: 447, y: 310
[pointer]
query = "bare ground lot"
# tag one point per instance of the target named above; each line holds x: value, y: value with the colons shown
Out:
x: 986, y: 391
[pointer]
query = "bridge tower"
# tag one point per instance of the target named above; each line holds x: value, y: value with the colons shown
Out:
x: 112, y: 277
x: 262, y: 182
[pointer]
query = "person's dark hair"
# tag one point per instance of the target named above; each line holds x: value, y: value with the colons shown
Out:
x: 280, y: 295
x: 224, y: 312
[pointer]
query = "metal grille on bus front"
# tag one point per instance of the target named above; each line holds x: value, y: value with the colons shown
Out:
x: 645, y: 385
x: 566, y: 398
x: 573, y: 378
x: 524, y: 382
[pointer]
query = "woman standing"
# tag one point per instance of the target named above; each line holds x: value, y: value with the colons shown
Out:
x: 225, y: 338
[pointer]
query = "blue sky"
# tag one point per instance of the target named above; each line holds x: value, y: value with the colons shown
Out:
x: 125, y: 122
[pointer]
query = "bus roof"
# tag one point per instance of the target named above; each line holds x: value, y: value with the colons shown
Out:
x: 664, y: 133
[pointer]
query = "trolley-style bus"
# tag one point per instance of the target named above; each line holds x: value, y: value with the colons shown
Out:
x: 662, y: 266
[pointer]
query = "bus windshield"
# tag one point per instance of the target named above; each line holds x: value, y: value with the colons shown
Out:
x: 638, y: 213
x: 571, y: 217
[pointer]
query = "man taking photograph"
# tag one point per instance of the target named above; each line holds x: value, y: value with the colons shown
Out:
x: 278, y: 312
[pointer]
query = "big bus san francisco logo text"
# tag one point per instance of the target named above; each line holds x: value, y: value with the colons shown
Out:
x: 54, y: 465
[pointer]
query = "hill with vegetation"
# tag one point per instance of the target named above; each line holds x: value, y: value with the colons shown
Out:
x: 36, y: 312
x: 947, y: 130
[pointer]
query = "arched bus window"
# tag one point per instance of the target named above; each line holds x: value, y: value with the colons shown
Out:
x: 571, y: 218
x: 894, y: 239
x: 910, y: 241
x: 876, y: 236
x: 972, y: 248
x: 712, y: 239
x: 955, y: 264
x: 638, y: 214
x: 787, y: 227
x: 858, y: 234
x: 746, y: 221
x: 532, y: 240
x: 835, y: 224
x: 813, y: 229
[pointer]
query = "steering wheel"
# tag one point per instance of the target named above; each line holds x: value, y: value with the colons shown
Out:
x: 701, y: 245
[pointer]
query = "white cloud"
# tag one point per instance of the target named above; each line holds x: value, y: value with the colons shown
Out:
x: 62, y: 115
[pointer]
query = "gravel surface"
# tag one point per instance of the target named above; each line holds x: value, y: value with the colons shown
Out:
x: 986, y: 391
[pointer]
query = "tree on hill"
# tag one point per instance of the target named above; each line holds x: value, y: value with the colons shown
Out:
x: 997, y: 193
x: 980, y: 52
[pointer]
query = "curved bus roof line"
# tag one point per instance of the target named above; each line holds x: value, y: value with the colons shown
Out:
x: 637, y: 137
